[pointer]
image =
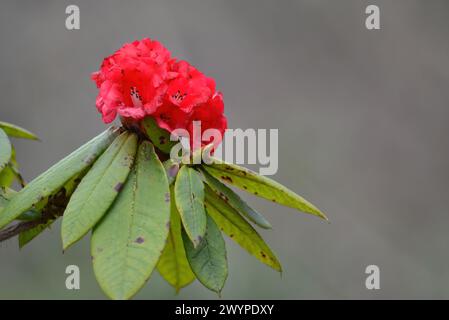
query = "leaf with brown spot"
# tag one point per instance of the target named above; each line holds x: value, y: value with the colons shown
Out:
x: 173, y: 265
x: 262, y: 186
x: 159, y: 136
x: 189, y: 198
x: 171, y: 168
x: 232, y: 223
x: 133, y: 232
x: 97, y: 190
x: 208, y: 260
x: 235, y: 201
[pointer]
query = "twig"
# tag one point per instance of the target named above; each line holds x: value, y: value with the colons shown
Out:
x: 54, y: 209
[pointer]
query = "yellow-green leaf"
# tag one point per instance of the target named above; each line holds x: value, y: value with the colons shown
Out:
x: 208, y: 259
x: 11, y: 171
x: 260, y: 186
x: 16, y: 131
x: 239, y: 230
x: 235, y: 201
x: 173, y: 265
x: 98, y: 189
x: 54, y: 178
x: 189, y: 196
x: 5, y: 150
x: 127, y: 243
x: 5, y: 195
x: 159, y: 136
x: 7, y: 177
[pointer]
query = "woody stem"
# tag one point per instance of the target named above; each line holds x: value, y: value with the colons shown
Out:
x: 52, y: 211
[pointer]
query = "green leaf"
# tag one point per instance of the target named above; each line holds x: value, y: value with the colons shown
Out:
x: 159, y: 136
x: 260, y: 186
x: 54, y: 178
x: 208, y: 260
x: 5, y: 150
x: 127, y: 243
x: 5, y: 196
x: 11, y: 171
x: 189, y: 197
x: 7, y: 177
x: 235, y: 201
x: 171, y: 168
x: 29, y: 215
x: 173, y: 265
x: 25, y: 237
x: 98, y: 189
x: 239, y: 230
x: 16, y: 131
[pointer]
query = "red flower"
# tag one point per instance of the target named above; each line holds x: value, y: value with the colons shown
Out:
x: 132, y: 81
x: 211, y: 116
x: 141, y: 79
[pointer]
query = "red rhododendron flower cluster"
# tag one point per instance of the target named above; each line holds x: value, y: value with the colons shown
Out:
x: 142, y: 79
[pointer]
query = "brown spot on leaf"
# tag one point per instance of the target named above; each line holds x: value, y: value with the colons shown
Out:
x: 127, y: 161
x: 223, y: 196
x: 89, y: 159
x: 173, y: 171
x: 140, y: 240
x: 118, y: 187
x: 263, y: 254
x: 162, y: 140
x: 226, y: 178
x: 231, y: 235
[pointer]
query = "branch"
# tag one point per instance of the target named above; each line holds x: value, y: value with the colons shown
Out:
x: 14, y: 230
x: 53, y: 210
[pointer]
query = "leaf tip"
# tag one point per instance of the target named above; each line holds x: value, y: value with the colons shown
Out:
x: 265, y: 225
x: 323, y: 216
x: 66, y: 243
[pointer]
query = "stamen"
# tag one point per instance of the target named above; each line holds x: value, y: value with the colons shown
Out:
x: 136, y: 98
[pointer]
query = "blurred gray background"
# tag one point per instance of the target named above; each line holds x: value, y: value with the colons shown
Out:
x: 362, y: 117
